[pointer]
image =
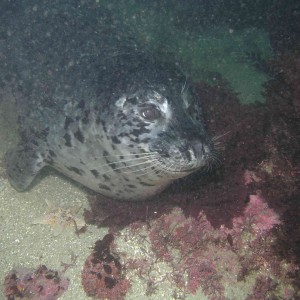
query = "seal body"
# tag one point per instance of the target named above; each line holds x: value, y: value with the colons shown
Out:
x: 97, y: 107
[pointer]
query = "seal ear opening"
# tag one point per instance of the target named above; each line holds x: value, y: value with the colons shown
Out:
x: 22, y: 165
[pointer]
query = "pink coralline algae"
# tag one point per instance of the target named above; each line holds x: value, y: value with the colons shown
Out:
x: 258, y: 215
x: 102, y: 276
x: 195, y: 265
x: 209, y: 259
x: 40, y: 284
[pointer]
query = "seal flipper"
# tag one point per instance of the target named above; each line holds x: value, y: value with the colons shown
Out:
x: 22, y: 165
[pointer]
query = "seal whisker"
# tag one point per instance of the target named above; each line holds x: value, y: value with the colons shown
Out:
x: 120, y: 161
x: 129, y: 166
x: 217, y: 137
x: 172, y: 168
x: 130, y: 155
x: 154, y: 163
x: 219, y: 147
x: 184, y: 85
x: 149, y: 172
x: 214, y: 159
x: 208, y: 167
x: 133, y: 159
x: 136, y: 165
x: 124, y: 167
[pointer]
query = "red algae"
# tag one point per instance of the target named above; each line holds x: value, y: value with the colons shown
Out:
x: 258, y: 213
x: 214, y: 260
x: 39, y: 284
x: 102, y: 276
x: 204, y: 251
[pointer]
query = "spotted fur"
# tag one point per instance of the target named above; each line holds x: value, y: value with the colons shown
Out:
x: 99, y: 108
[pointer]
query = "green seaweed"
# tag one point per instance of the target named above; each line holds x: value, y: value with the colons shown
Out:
x: 202, y: 53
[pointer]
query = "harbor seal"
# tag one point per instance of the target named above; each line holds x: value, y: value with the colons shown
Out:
x: 99, y: 108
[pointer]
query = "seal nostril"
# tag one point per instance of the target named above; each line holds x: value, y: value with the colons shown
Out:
x: 199, y: 148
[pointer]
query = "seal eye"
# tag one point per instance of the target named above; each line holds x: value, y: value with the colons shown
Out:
x: 150, y: 113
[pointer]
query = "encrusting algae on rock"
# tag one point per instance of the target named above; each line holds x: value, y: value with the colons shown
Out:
x: 59, y: 218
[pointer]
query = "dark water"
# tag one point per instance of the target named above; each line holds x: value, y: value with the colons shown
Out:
x: 208, y: 39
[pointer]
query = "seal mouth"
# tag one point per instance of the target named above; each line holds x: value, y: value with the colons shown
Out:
x: 179, y: 161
